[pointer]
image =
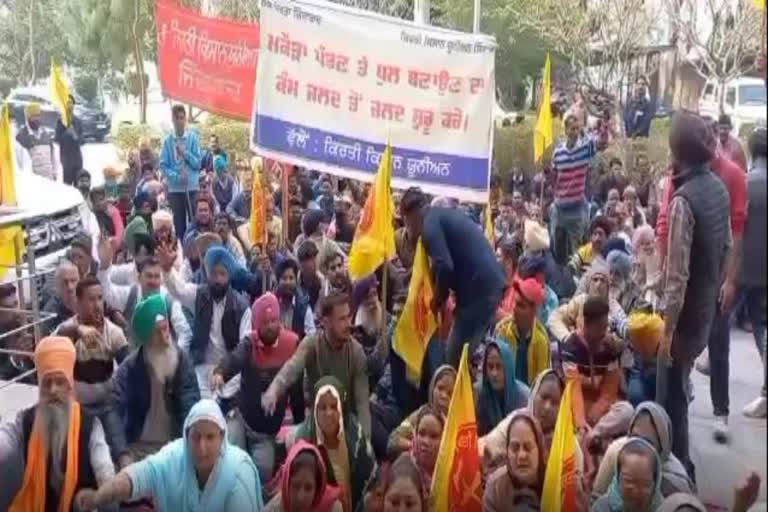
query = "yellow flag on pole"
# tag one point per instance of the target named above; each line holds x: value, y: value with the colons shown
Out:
x: 374, y: 241
x: 417, y: 323
x: 490, y: 230
x: 8, y: 235
x: 543, y: 135
x: 258, y: 220
x: 560, y: 486
x: 457, y: 481
x: 760, y: 4
x: 59, y: 92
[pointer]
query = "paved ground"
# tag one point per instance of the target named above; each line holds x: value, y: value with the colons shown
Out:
x: 719, y: 467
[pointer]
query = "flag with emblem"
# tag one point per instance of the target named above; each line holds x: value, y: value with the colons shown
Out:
x: 457, y: 482
x: 417, y: 323
x: 543, y: 135
x: 374, y: 242
x: 258, y: 220
x: 59, y: 92
x: 560, y: 485
x: 10, y: 235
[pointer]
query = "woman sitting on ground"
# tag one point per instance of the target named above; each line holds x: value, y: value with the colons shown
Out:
x: 500, y: 392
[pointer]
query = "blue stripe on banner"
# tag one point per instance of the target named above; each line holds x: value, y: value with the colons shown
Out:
x: 347, y: 152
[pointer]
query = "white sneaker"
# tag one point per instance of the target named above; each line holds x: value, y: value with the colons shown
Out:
x: 721, y: 431
x: 757, y: 409
x: 702, y: 364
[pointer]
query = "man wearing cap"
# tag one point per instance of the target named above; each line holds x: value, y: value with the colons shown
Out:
x: 38, y: 142
x: 70, y: 138
x: 258, y: 358
x: 154, y: 388
x: 55, y: 449
x: 221, y: 316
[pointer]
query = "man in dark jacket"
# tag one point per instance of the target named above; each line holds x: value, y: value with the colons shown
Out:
x: 698, y: 224
x: 295, y: 312
x: 463, y: 263
x: 154, y: 388
x: 70, y: 138
x: 258, y: 358
x: 638, y: 113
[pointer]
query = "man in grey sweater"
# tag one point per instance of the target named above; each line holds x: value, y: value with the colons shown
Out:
x: 330, y: 351
x: 753, y: 276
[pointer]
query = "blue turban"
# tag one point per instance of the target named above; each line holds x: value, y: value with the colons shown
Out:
x: 614, y: 244
x: 220, y: 255
x: 532, y: 265
x: 219, y: 163
x: 619, y: 263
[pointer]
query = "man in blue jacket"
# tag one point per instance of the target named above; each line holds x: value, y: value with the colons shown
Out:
x: 463, y: 263
x: 638, y: 113
x: 180, y: 166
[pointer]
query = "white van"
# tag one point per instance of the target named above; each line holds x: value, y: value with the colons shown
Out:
x: 744, y: 101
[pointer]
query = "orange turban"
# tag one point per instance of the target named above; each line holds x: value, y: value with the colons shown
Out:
x: 645, y: 331
x: 55, y: 354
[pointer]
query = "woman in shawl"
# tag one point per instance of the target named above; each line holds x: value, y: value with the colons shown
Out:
x: 405, y: 488
x: 304, y: 483
x: 440, y: 391
x: 682, y: 502
x: 518, y: 486
x: 500, y: 392
x: 426, y: 443
x: 636, y: 485
x: 197, y: 473
x: 346, y: 452
x: 652, y: 424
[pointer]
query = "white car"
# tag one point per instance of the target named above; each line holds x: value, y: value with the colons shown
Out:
x: 744, y: 101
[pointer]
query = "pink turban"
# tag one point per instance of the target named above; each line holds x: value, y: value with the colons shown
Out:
x: 531, y: 289
x: 265, y: 309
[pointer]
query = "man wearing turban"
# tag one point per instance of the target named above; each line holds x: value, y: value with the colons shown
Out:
x: 54, y: 450
x: 38, y: 142
x: 155, y: 387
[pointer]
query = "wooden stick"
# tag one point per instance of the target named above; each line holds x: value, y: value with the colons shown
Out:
x: 285, y: 205
x: 384, y: 290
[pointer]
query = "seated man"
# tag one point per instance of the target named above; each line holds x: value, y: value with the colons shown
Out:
x: 567, y: 318
x: 155, y: 387
x: 600, y: 230
x: 524, y: 334
x: 310, y: 279
x: 222, y: 226
x: 592, y: 358
x: 259, y: 357
x: 370, y: 322
x: 37, y: 472
x: 100, y: 345
x: 645, y: 332
x: 295, y: 313
x: 335, y: 270
x: 331, y: 351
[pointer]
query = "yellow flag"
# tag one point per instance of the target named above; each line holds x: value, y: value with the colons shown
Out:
x: 8, y: 235
x: 258, y: 220
x: 490, y: 230
x: 457, y: 482
x: 560, y: 486
x: 760, y: 4
x: 59, y: 92
x: 374, y: 241
x: 417, y: 323
x: 543, y: 135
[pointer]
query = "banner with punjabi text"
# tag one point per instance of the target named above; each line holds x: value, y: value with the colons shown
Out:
x: 335, y: 83
x: 207, y: 62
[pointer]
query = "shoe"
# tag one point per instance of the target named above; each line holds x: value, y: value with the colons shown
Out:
x: 757, y: 409
x: 721, y: 432
x: 702, y: 364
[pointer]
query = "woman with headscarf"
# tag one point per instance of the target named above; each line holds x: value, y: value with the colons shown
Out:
x: 405, y: 487
x: 304, y: 484
x: 500, y: 392
x: 346, y: 452
x: 652, y: 424
x: 682, y: 502
x: 199, y: 472
x: 440, y: 391
x: 518, y: 485
x: 428, y: 433
x: 636, y: 485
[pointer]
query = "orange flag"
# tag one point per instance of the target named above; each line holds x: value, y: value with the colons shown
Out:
x: 560, y: 485
x: 258, y: 221
x: 457, y: 482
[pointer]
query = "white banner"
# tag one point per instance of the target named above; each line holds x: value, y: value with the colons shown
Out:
x: 335, y: 83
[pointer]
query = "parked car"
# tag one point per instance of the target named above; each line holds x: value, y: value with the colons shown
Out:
x: 96, y: 123
x: 744, y: 101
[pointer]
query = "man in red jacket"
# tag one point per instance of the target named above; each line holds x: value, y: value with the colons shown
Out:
x: 734, y: 179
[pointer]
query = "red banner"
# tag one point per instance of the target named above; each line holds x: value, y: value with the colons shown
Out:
x: 207, y: 62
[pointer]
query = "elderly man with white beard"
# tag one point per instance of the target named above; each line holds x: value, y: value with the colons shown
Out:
x: 53, y: 450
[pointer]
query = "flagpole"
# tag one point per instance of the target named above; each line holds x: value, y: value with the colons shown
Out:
x: 285, y: 206
x: 421, y: 14
x: 476, y: 18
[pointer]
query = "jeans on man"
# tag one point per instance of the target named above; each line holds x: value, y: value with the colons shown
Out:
x: 110, y: 422
x: 567, y: 228
x: 676, y: 405
x: 755, y: 298
x: 261, y: 447
x: 641, y: 384
x: 182, y: 205
x: 719, y: 362
x: 471, y: 322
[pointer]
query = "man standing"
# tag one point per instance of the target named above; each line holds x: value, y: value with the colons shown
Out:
x: 180, y: 165
x: 38, y: 474
x: 214, y: 150
x: 698, y: 224
x: 38, y: 142
x: 70, y: 138
x: 63, y: 301
x: 638, y: 113
x: 753, y: 278
x: 730, y: 147
x: 331, y: 351
x: 463, y: 262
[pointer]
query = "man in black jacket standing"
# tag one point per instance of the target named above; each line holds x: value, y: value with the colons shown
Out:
x: 70, y: 138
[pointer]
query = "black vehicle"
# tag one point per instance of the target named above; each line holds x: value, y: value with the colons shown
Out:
x: 95, y: 122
